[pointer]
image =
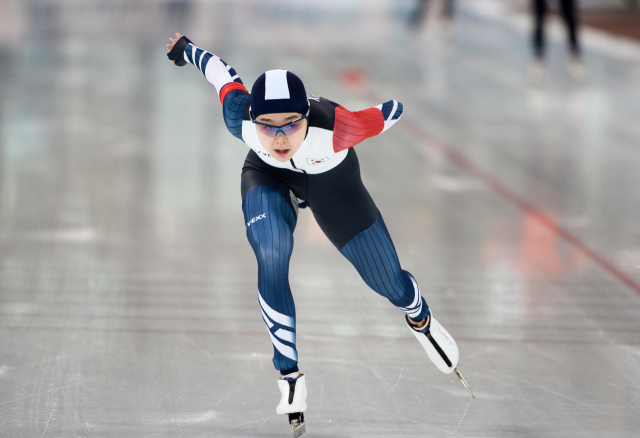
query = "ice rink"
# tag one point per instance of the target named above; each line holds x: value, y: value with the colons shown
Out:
x: 128, y: 290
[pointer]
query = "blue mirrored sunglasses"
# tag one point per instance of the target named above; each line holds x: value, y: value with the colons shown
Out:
x: 286, y: 129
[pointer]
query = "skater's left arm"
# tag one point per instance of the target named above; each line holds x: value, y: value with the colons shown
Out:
x: 352, y: 127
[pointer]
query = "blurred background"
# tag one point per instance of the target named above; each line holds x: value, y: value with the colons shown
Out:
x: 510, y: 188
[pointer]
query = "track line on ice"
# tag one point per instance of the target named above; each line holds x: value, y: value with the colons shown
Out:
x: 463, y: 415
x: 367, y: 336
x: 498, y: 187
x: 354, y: 415
x: 563, y: 396
x: 423, y: 136
x: 49, y: 420
x: 414, y: 421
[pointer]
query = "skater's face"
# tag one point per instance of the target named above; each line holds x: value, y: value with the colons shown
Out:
x: 282, y: 147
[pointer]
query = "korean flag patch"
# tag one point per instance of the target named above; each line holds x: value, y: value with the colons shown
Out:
x: 314, y: 161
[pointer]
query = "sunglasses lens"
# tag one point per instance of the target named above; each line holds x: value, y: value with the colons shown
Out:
x: 272, y: 131
x: 291, y: 128
x: 268, y: 130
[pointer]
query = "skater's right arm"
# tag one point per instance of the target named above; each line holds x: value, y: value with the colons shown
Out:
x: 233, y: 94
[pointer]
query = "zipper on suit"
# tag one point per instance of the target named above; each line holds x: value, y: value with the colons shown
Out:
x: 294, y: 165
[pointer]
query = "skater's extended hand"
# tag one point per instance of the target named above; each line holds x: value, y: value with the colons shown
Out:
x: 172, y: 42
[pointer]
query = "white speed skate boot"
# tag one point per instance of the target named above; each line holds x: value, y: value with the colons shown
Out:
x: 293, y: 401
x: 440, y: 347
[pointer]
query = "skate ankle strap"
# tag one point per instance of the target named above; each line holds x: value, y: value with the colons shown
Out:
x: 424, y: 328
x: 292, y: 377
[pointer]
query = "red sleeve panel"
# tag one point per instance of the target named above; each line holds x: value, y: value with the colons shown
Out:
x: 351, y: 128
x: 230, y: 87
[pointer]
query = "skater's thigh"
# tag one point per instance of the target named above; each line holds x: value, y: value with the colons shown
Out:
x: 341, y: 203
x: 255, y: 178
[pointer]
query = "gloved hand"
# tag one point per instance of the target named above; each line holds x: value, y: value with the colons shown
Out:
x: 176, y: 49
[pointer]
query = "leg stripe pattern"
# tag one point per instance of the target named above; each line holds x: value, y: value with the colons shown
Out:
x: 415, y: 309
x: 283, y: 349
x: 270, y: 317
x: 373, y: 255
x: 274, y: 315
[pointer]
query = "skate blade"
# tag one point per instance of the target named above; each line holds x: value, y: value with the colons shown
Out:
x: 298, y: 430
x: 464, y: 382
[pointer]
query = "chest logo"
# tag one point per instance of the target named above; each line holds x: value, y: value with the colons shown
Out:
x: 314, y: 161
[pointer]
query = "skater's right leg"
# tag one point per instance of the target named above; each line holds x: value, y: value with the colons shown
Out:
x: 270, y: 210
x: 270, y: 221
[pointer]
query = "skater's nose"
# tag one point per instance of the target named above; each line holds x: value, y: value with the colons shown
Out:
x: 281, y: 138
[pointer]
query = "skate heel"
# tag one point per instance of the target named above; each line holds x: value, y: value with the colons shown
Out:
x: 296, y: 421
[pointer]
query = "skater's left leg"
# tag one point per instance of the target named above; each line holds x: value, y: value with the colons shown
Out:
x: 374, y: 256
x: 350, y: 219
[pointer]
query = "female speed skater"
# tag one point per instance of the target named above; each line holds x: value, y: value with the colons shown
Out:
x: 301, y: 154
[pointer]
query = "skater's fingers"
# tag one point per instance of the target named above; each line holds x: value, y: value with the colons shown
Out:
x: 172, y: 41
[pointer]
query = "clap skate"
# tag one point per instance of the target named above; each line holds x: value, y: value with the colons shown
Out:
x: 440, y: 347
x: 293, y: 401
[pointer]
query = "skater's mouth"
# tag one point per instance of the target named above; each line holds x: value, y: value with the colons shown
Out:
x: 282, y: 152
